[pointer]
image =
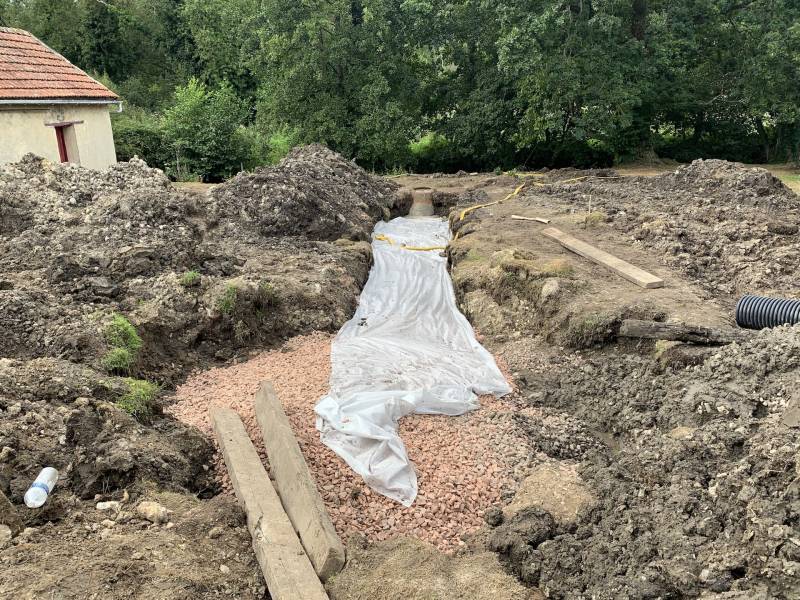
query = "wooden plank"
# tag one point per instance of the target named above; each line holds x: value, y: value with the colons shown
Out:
x: 620, y: 267
x: 537, y: 219
x: 296, y: 486
x: 287, y: 570
x: 678, y: 332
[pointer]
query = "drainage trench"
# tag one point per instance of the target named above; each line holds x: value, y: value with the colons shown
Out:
x: 407, y: 350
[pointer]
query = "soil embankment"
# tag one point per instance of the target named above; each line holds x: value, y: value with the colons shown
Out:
x: 114, y: 285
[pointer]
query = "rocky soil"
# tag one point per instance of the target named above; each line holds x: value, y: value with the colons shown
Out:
x: 113, y: 286
x: 687, y: 458
x: 698, y: 481
x: 733, y: 229
x: 641, y: 470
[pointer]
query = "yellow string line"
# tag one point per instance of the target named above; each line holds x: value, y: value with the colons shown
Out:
x: 385, y: 238
x: 466, y: 211
x: 573, y: 179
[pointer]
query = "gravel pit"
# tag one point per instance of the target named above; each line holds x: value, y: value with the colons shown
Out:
x: 462, y: 469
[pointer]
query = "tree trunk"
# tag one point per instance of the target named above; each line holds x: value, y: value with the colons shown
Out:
x: 639, y: 11
x: 764, y: 137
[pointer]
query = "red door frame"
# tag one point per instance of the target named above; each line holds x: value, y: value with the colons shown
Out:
x: 62, y: 144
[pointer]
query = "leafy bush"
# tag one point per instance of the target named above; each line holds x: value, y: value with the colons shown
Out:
x: 139, y: 133
x: 250, y: 144
x: 280, y: 144
x: 140, y: 399
x: 432, y: 152
x: 201, y: 132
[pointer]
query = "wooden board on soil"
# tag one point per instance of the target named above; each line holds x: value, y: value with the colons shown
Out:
x: 287, y: 570
x: 297, y: 487
x: 624, y: 269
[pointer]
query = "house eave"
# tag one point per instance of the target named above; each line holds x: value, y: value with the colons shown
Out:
x: 58, y: 101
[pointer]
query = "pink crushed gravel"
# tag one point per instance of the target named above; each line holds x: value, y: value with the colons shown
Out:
x: 460, y: 464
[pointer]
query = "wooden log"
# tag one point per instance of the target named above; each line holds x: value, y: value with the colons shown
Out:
x: 287, y: 570
x: 626, y: 270
x: 678, y: 332
x: 296, y: 486
x: 537, y: 219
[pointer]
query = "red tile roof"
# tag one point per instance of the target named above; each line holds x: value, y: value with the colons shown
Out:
x: 29, y: 70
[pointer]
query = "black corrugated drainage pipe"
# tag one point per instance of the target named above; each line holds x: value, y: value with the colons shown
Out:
x: 758, y: 312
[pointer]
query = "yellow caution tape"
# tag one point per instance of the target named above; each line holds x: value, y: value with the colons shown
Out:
x: 385, y: 238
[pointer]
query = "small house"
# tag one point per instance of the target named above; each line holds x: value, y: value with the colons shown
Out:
x: 51, y: 108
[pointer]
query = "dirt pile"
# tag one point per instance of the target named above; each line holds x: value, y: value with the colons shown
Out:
x: 698, y: 488
x: 204, y: 551
x: 313, y: 192
x: 732, y: 228
x: 114, y: 284
x: 686, y: 458
x: 186, y: 270
x: 63, y: 415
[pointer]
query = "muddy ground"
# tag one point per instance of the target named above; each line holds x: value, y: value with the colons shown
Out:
x: 646, y: 470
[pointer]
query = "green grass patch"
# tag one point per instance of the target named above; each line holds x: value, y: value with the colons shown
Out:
x: 267, y: 295
x: 118, y: 360
x: 595, y: 218
x: 227, y: 302
x: 190, y: 279
x: 140, y: 399
x: 558, y: 267
x: 474, y: 256
x: 125, y: 345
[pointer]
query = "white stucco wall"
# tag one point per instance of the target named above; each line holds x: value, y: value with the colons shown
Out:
x: 24, y: 129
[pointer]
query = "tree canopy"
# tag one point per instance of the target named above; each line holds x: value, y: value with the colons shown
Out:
x: 438, y: 85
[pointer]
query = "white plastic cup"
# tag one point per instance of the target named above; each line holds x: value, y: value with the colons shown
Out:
x: 40, y: 489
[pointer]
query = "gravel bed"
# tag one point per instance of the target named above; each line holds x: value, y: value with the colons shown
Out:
x: 465, y: 464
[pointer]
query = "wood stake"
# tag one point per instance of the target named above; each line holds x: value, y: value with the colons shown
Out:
x: 678, y: 332
x: 537, y: 219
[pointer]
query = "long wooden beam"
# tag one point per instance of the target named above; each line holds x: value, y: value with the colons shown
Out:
x: 296, y: 486
x: 679, y: 332
x: 620, y: 267
x: 287, y: 570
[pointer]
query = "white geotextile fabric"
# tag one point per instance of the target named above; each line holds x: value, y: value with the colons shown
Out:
x: 407, y: 350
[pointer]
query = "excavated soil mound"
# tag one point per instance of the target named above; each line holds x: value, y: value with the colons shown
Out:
x: 698, y: 488
x: 732, y: 228
x: 313, y: 192
x: 113, y: 284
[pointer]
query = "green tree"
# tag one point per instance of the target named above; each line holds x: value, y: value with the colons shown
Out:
x: 201, y: 131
